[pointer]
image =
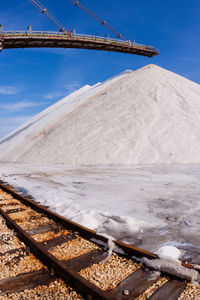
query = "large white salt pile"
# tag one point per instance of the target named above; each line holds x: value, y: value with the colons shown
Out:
x: 147, y: 116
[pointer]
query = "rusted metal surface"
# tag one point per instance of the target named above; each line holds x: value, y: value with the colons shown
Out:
x: 12, y: 251
x: 28, y: 281
x: 58, y: 266
x: 170, y: 291
x: 59, y: 40
x: 10, y: 211
x: 10, y: 204
x: 136, y: 284
x: 85, y: 232
x: 41, y: 229
x: 130, y: 287
x: 56, y: 241
x: 86, y: 260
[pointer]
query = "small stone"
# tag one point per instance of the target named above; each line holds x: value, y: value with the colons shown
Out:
x: 126, y: 292
x: 52, y: 272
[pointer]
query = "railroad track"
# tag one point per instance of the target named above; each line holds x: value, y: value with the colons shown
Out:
x: 46, y: 256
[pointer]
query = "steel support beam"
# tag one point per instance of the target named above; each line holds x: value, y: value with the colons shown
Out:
x: 45, y: 39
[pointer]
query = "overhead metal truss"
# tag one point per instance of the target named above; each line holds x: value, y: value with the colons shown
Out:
x: 10, y: 40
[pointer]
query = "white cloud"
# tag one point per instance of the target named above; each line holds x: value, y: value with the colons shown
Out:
x: 69, y: 88
x: 10, y: 124
x: 20, y: 105
x: 16, y: 120
x: 8, y: 90
x: 54, y: 95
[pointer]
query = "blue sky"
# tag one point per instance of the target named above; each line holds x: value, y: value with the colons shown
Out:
x: 33, y: 79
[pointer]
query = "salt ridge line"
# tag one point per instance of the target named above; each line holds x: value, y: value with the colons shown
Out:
x: 114, y: 293
x: 36, y: 126
x: 149, y: 116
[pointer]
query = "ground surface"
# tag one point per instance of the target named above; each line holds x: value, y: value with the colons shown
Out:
x: 148, y: 206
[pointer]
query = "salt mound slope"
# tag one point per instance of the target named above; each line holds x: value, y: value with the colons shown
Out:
x: 147, y: 116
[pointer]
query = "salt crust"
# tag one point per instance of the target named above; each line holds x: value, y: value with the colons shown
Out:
x: 147, y: 116
x: 166, y: 252
x: 191, y: 291
x: 172, y: 267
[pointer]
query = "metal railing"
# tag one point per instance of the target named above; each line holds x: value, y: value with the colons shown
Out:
x: 72, y: 35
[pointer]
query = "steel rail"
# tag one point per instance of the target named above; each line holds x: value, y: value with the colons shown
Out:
x: 10, y: 40
x: 60, y: 268
x: 137, y: 282
x: 85, y: 232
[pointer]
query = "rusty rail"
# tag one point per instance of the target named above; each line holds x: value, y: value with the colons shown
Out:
x: 135, y: 284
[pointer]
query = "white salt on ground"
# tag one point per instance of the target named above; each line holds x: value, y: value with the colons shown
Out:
x: 173, y: 268
x: 166, y: 252
x: 150, y: 116
x: 147, y: 206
